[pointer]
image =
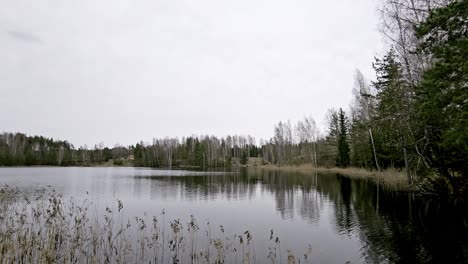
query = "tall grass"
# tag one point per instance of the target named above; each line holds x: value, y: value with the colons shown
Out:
x: 48, y: 228
x: 391, y: 178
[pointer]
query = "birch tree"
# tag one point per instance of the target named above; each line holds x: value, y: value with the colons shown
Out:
x: 362, y: 111
x: 307, y: 133
x: 169, y: 145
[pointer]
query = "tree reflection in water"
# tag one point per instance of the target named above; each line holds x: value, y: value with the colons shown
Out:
x: 394, y: 227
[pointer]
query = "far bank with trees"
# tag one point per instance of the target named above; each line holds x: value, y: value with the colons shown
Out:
x: 411, y: 116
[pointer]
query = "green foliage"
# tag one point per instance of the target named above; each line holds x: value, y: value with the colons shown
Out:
x: 118, y: 162
x: 394, y: 106
x: 442, y: 94
x: 18, y: 149
x: 253, y: 151
x: 107, y: 154
x: 361, y: 148
x: 139, y: 156
x: 343, y: 159
x: 244, y: 158
x: 329, y: 146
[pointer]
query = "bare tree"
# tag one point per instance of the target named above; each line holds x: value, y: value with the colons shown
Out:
x: 399, y: 19
x: 169, y: 146
x: 60, y: 153
x: 307, y: 134
x: 280, y: 141
x: 363, y: 107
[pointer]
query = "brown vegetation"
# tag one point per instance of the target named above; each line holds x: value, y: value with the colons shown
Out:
x: 392, y: 178
x: 47, y: 228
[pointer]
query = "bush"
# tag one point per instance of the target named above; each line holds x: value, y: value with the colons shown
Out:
x: 244, y: 158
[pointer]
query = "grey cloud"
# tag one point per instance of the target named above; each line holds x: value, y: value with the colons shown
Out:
x: 24, y: 36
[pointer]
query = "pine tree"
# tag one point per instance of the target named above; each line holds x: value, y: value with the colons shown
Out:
x: 394, y: 110
x: 442, y: 95
x: 244, y: 157
x: 343, y: 159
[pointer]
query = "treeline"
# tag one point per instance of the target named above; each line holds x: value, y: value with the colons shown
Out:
x: 414, y: 113
x: 412, y: 116
x: 17, y: 149
x: 198, y: 151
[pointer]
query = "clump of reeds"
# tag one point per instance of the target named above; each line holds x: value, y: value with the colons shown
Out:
x: 391, y: 178
x: 47, y: 228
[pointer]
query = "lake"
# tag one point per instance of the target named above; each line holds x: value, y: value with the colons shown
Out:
x: 338, y: 219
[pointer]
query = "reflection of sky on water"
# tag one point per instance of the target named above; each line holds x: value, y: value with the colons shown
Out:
x: 342, y: 219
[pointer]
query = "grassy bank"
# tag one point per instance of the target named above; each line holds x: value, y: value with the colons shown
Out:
x: 392, y: 178
x: 112, y: 163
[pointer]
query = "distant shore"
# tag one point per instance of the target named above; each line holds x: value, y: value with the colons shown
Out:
x: 391, y: 177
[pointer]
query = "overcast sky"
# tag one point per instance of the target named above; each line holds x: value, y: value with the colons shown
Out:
x: 125, y: 70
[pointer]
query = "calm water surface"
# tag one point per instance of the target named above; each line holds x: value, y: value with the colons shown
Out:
x: 341, y: 219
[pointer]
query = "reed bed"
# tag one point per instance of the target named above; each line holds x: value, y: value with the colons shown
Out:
x: 45, y: 227
x: 391, y: 178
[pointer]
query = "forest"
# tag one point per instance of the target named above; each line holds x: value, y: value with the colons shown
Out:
x: 412, y: 115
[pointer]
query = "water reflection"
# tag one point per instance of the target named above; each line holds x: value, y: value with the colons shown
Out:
x: 391, y: 226
x: 293, y: 193
x: 343, y: 219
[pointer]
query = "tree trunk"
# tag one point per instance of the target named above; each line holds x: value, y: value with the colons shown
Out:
x: 373, y: 148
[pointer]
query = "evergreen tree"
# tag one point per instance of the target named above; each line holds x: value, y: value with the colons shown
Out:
x: 394, y: 108
x: 244, y: 157
x: 343, y: 159
x: 329, y: 150
x: 442, y: 95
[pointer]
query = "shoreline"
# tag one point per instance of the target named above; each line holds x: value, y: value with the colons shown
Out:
x: 391, y: 177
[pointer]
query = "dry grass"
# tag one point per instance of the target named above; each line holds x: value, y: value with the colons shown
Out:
x: 392, y: 178
x: 47, y: 228
x: 110, y: 163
